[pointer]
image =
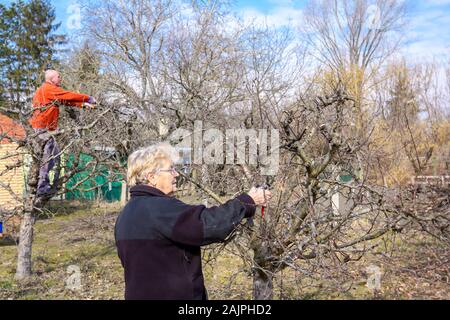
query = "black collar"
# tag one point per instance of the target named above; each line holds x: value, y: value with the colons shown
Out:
x: 146, y: 190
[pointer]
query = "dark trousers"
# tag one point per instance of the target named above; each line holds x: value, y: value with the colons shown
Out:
x: 50, y: 158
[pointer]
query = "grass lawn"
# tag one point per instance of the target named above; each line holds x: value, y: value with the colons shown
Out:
x: 81, y: 235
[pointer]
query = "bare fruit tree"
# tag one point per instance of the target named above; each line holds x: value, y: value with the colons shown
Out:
x: 160, y: 66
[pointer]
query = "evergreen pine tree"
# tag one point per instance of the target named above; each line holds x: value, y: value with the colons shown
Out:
x: 28, y: 47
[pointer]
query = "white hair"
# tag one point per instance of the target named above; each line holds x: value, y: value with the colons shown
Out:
x: 146, y: 160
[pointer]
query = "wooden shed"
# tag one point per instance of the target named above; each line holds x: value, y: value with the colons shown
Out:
x: 12, y: 180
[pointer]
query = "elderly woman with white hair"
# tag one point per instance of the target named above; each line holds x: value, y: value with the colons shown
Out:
x: 158, y: 237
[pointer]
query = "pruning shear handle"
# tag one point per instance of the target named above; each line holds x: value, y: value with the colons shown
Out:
x: 264, y: 186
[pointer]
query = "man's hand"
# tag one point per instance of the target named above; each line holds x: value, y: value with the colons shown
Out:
x: 260, y: 196
x: 92, y: 100
x: 88, y: 105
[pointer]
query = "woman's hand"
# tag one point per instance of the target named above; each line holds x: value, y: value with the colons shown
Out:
x: 260, y: 196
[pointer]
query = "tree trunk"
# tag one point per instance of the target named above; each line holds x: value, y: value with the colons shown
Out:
x: 23, y: 270
x: 262, y: 285
x: 24, y: 249
x: 262, y: 278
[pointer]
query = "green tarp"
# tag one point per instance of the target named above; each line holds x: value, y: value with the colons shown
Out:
x: 102, y: 184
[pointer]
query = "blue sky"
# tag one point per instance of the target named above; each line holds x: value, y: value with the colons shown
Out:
x: 428, y: 33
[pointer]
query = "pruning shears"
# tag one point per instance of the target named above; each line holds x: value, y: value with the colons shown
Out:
x: 264, y: 186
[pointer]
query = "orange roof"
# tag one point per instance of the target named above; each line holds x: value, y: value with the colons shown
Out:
x: 10, y: 128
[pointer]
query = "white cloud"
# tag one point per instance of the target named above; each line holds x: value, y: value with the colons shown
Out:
x: 426, y: 49
x: 426, y: 35
x: 281, y: 16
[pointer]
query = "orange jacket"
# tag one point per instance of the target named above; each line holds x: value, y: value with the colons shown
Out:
x: 46, y: 101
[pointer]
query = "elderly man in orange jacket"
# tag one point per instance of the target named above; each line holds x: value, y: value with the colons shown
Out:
x: 46, y: 102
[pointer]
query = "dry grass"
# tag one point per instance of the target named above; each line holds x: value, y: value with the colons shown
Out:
x: 413, y: 266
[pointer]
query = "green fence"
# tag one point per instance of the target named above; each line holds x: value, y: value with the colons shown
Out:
x: 102, y: 184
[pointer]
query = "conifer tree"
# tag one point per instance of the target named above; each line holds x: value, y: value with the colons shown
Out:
x: 28, y: 46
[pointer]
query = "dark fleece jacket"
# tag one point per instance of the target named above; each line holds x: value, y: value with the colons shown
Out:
x: 158, y: 239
